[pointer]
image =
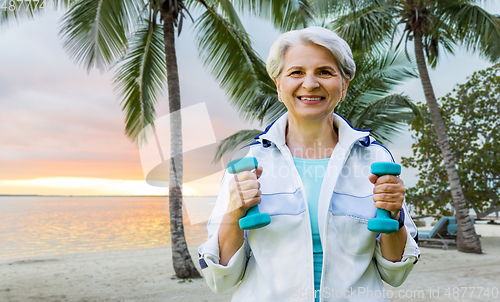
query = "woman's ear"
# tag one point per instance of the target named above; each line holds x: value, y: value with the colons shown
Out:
x: 345, y: 84
x: 277, y: 83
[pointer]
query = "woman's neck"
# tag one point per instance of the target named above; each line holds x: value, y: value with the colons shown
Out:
x: 312, y: 139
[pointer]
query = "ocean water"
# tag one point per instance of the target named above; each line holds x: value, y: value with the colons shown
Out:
x: 33, y: 226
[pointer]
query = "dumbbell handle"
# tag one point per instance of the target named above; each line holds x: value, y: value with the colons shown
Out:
x: 253, y: 218
x: 383, y: 223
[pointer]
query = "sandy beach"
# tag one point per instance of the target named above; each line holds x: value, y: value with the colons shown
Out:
x: 147, y: 275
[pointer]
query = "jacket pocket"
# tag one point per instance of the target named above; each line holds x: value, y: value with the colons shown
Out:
x: 282, y: 203
x: 357, y: 239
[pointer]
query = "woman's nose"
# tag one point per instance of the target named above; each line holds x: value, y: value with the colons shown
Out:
x: 310, y: 83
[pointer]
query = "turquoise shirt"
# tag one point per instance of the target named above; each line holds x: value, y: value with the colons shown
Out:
x: 312, y: 172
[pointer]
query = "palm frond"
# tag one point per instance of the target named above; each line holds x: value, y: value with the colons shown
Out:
x: 226, y: 9
x: 377, y: 75
x: 266, y: 107
x: 386, y: 116
x: 141, y: 78
x: 439, y: 35
x: 364, y: 29
x: 94, y: 32
x: 328, y: 8
x: 230, y: 143
x: 369, y: 99
x: 228, y: 54
x: 388, y: 69
x: 477, y: 29
x: 285, y: 15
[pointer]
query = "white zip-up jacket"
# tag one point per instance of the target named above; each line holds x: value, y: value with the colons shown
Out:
x: 275, y: 263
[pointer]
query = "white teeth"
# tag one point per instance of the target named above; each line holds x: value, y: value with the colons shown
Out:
x: 310, y: 99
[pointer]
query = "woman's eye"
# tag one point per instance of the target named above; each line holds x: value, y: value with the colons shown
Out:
x: 295, y: 72
x: 325, y: 72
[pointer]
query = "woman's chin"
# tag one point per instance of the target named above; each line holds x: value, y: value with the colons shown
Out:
x: 311, y: 114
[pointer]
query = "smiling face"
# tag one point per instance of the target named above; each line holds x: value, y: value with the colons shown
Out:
x: 310, y: 84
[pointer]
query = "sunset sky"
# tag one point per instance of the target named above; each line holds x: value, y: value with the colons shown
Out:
x: 62, y: 130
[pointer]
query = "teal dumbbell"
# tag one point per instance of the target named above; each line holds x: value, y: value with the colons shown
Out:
x: 253, y: 218
x: 383, y: 223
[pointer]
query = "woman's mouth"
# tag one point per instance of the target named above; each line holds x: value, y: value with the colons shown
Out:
x: 310, y: 99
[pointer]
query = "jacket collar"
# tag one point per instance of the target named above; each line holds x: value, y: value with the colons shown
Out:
x: 348, y: 135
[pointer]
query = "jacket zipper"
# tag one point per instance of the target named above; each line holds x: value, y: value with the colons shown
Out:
x: 298, y: 181
x: 324, y: 242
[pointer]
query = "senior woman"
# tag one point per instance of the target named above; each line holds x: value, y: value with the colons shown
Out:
x: 313, y: 179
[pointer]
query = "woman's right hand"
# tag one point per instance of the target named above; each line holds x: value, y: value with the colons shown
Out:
x: 244, y: 192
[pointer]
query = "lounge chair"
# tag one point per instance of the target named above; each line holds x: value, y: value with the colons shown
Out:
x: 444, y: 234
x: 439, y: 236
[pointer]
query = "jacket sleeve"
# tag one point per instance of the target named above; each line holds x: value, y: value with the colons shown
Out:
x: 395, y: 273
x: 219, y: 277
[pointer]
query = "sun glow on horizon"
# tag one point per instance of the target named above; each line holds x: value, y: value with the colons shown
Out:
x: 86, y: 186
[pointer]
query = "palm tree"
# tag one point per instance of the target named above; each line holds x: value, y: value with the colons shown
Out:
x: 98, y: 37
x: 368, y: 104
x: 433, y: 26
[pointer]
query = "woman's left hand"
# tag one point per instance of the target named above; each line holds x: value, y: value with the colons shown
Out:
x: 388, y: 193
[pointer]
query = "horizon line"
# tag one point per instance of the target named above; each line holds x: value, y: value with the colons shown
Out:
x: 38, y: 195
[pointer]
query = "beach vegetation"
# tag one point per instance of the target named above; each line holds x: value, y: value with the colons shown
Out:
x: 471, y: 116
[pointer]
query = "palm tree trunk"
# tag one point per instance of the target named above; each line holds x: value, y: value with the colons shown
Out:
x: 183, y: 264
x: 467, y: 239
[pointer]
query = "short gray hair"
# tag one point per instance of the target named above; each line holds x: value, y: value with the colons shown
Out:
x: 316, y: 35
